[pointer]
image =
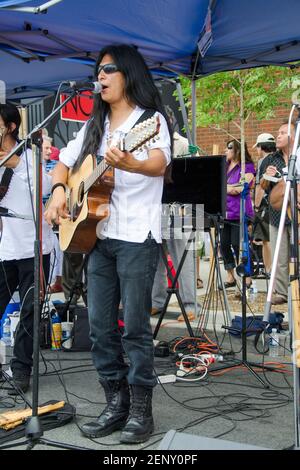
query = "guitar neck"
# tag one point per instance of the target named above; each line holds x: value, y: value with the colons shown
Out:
x: 138, y: 136
x: 97, y: 172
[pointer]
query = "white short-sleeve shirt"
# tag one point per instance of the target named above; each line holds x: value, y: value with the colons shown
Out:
x: 135, y: 205
x: 18, y: 235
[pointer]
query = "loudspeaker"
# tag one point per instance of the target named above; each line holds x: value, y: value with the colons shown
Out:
x: 198, y: 180
x: 183, y: 441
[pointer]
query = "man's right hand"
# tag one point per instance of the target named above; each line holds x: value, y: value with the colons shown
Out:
x: 271, y: 170
x: 57, y: 207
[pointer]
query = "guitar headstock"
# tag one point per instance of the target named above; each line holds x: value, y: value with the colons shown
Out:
x: 140, y: 135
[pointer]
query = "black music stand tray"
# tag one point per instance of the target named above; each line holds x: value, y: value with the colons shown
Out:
x: 194, y: 181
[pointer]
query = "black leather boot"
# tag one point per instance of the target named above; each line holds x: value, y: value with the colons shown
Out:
x: 20, y: 382
x: 139, y: 424
x: 116, y: 412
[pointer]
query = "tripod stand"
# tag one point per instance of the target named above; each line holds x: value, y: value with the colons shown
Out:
x: 33, y: 428
x: 77, y: 287
x: 174, y: 289
x: 244, y: 271
x: 215, y: 292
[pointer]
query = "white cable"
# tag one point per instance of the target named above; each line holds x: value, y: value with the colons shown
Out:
x: 182, y: 370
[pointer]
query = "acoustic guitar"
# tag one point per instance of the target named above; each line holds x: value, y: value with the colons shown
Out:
x: 89, y: 190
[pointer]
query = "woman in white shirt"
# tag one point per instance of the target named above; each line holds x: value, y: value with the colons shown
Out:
x: 17, y: 240
x: 123, y: 262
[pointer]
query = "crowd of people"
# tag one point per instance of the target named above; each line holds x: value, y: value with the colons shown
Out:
x: 262, y: 215
x: 125, y: 265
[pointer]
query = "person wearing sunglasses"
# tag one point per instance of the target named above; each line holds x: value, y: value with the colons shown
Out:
x: 123, y: 262
x: 230, y: 234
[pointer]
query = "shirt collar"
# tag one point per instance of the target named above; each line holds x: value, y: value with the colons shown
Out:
x: 129, y: 123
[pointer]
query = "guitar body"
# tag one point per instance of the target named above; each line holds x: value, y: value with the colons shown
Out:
x: 78, y: 234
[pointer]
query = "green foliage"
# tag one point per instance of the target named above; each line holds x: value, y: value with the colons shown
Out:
x: 219, y: 96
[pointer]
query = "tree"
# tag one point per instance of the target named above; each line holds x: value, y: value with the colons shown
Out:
x: 235, y: 96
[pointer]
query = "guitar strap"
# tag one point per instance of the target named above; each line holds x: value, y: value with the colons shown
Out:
x: 147, y: 114
x: 5, y: 182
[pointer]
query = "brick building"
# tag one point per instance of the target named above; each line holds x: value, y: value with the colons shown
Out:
x: 210, y: 139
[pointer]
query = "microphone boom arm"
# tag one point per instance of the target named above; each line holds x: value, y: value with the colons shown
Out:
x: 38, y: 127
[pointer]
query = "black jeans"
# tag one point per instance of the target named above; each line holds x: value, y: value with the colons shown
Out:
x: 230, y: 239
x: 121, y: 270
x: 20, y: 273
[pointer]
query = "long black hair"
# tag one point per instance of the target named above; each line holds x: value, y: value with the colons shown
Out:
x: 238, y: 151
x: 11, y: 115
x: 139, y: 89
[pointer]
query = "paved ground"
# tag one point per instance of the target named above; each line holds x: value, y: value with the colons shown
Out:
x: 232, y: 404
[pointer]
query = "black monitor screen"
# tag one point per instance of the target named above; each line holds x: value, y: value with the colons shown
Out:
x: 198, y: 180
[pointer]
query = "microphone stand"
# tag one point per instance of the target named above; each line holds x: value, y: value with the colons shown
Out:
x: 294, y: 288
x: 34, y: 430
x: 244, y: 270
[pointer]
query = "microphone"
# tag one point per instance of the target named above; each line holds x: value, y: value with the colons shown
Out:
x: 94, y: 87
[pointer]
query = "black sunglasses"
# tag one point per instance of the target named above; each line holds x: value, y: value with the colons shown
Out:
x: 230, y: 147
x: 108, y: 68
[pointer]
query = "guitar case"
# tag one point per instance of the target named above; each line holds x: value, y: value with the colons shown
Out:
x: 51, y: 420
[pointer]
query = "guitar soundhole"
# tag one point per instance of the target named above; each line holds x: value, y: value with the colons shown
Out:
x: 80, y: 194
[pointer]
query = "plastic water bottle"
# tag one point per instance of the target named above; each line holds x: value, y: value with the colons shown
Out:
x: 254, y: 288
x: 253, y: 291
x: 14, y: 320
x: 6, y: 331
x: 55, y: 331
x: 274, y: 343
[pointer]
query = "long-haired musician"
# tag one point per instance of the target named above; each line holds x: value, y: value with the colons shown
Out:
x: 123, y: 261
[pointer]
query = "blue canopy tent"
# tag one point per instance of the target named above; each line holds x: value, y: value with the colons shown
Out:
x: 42, y: 44
x: 40, y: 50
x: 42, y: 47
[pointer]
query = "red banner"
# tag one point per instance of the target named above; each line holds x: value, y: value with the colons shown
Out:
x: 78, y: 109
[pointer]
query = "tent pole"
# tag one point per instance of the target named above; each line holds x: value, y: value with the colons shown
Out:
x: 194, y: 142
x: 194, y: 104
x: 183, y: 112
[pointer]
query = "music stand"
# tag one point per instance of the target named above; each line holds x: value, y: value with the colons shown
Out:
x: 174, y: 289
x: 200, y: 184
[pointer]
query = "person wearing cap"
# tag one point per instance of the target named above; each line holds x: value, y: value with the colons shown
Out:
x: 273, y: 165
x: 265, y: 145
